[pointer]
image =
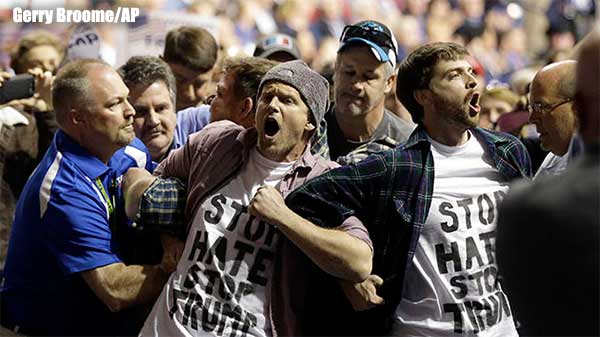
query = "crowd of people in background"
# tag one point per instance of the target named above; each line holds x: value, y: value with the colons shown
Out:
x: 316, y: 167
x: 503, y: 36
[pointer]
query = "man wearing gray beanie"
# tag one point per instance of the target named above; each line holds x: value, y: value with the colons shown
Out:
x: 312, y: 87
x: 244, y: 264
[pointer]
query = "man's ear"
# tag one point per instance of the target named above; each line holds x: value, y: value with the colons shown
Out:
x: 309, y: 126
x: 76, y: 116
x: 422, y: 96
x: 246, y: 107
x: 245, y: 117
x: 390, y: 84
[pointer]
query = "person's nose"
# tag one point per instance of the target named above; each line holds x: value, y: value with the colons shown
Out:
x: 153, y: 118
x: 128, y: 111
x: 471, y: 81
x: 357, y: 87
x: 534, y: 117
x: 274, y: 104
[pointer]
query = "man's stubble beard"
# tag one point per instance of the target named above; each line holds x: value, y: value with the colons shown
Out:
x: 454, y: 113
x: 125, y: 138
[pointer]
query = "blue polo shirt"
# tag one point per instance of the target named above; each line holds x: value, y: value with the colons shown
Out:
x: 62, y: 228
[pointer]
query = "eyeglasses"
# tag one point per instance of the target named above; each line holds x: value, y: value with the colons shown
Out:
x: 540, y: 108
x: 371, y: 32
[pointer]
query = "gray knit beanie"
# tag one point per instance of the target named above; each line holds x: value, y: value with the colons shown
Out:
x: 313, y: 88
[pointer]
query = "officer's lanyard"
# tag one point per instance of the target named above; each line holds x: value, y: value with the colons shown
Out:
x: 110, y: 202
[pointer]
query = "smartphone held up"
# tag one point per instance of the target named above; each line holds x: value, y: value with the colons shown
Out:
x: 17, y: 87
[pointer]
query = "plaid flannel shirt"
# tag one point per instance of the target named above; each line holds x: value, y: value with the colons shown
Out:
x: 162, y: 207
x: 365, y: 150
x: 391, y: 192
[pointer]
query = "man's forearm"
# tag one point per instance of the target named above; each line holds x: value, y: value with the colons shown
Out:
x: 120, y: 286
x: 336, y: 252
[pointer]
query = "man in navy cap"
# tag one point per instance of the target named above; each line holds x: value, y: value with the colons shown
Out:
x: 277, y: 47
x: 363, y: 75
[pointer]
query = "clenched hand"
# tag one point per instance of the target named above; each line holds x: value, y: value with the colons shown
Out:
x: 268, y: 204
x: 172, y: 250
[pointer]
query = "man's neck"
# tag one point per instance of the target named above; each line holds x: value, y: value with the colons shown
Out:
x: 100, y: 152
x: 294, y: 154
x: 162, y: 154
x: 564, y: 148
x: 450, y: 135
x: 103, y: 156
x: 360, y: 128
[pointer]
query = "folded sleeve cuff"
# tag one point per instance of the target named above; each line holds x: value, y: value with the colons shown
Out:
x: 162, y: 206
x: 355, y: 227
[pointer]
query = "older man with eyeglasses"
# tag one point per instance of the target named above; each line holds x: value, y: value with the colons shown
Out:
x: 552, y: 111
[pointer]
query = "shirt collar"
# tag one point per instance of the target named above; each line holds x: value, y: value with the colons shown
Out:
x: 91, y: 166
x: 307, y: 160
x: 418, y: 136
x: 492, y: 138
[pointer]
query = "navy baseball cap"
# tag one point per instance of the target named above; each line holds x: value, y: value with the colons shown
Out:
x: 276, y: 43
x: 374, y: 34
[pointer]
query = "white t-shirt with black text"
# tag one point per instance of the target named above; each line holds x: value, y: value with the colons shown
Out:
x: 450, y: 287
x: 222, y: 283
